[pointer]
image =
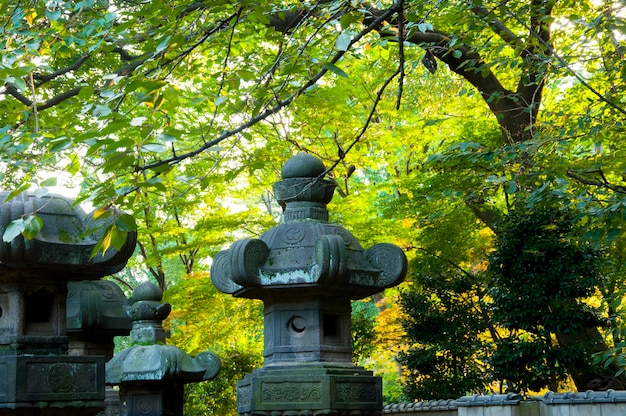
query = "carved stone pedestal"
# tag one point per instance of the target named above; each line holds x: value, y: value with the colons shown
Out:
x: 49, y: 385
x: 151, y: 399
x: 309, y: 389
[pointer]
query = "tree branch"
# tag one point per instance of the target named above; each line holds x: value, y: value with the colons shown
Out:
x: 602, y: 182
x: 12, y: 91
x: 568, y: 67
x: 497, y: 26
x: 275, y: 109
x: 530, y: 86
x: 42, y: 78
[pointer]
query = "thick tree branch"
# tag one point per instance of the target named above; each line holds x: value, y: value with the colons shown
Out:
x: 124, y: 55
x: 72, y: 67
x: 13, y: 92
x: 275, y: 109
x: 511, y: 111
x: 484, y: 212
x: 57, y: 99
x: 497, y: 26
x: 599, y: 181
x: 568, y: 67
x: 530, y: 86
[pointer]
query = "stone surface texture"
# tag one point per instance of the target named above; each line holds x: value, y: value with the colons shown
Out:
x: 37, y: 376
x: 307, y: 270
x: 151, y: 374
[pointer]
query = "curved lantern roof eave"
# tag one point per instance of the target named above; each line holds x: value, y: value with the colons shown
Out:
x: 65, y: 242
x: 149, y: 359
x: 305, y: 253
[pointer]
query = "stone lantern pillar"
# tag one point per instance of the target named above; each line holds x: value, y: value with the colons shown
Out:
x: 307, y: 270
x: 37, y: 376
x: 150, y: 374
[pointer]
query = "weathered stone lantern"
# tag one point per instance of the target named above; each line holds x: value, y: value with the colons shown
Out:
x: 151, y: 375
x: 37, y: 377
x: 307, y: 271
x: 96, y: 314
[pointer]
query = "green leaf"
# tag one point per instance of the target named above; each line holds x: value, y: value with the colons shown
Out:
x: 53, y: 15
x: 101, y: 111
x: 153, y: 147
x: 343, y: 41
x: 14, y: 229
x: 20, y: 84
x: 49, y: 182
x: 32, y: 226
x: 432, y: 122
x: 163, y: 45
x: 335, y: 69
x: 164, y: 137
x: 424, y: 27
x: 60, y: 143
x: 126, y: 222
x: 510, y: 187
x: 118, y: 238
x: 74, y: 166
x: 84, y: 4
x: 16, y: 192
x: 347, y: 19
x: 41, y: 192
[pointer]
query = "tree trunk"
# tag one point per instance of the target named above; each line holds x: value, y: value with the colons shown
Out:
x: 591, y: 377
x: 516, y: 113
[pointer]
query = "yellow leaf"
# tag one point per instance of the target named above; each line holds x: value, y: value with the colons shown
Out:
x: 30, y: 17
x: 106, y: 241
x: 101, y: 211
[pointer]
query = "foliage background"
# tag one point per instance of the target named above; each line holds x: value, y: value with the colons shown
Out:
x: 442, y: 123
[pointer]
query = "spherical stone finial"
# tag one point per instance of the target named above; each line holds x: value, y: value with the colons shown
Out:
x: 303, y: 165
x: 145, y: 305
x: 147, y: 291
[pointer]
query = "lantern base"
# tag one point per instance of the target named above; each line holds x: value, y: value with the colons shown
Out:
x: 302, y: 388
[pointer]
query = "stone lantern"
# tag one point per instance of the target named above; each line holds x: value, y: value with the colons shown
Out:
x: 37, y: 376
x: 96, y: 314
x: 307, y: 270
x: 151, y: 375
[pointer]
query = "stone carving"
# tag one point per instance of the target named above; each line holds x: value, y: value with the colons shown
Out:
x: 150, y: 373
x: 244, y: 397
x: 331, y: 257
x: 306, y: 270
x: 223, y: 280
x: 97, y: 306
x: 65, y: 241
x: 247, y: 255
x: 357, y: 392
x: 38, y: 373
x: 291, y: 392
x: 61, y: 378
x: 389, y: 259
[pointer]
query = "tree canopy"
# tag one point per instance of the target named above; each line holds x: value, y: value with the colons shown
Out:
x: 437, y: 120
